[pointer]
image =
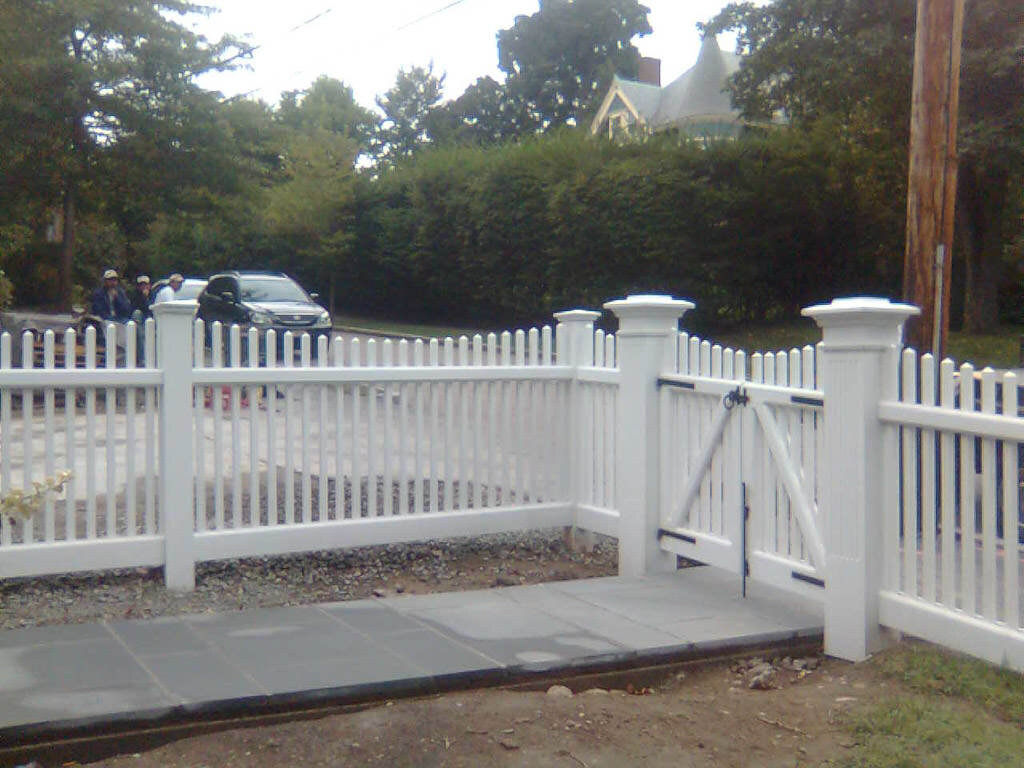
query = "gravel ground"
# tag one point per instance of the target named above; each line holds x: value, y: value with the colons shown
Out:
x: 432, y: 566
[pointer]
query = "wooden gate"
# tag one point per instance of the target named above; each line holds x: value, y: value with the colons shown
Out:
x: 740, y: 464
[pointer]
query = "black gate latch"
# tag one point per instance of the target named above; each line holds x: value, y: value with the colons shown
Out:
x: 734, y: 398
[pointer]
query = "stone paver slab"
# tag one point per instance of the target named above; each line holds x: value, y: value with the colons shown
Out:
x: 372, y: 617
x: 592, y: 619
x: 435, y: 654
x: 56, y: 633
x: 202, y: 676
x: 158, y: 636
x: 338, y: 672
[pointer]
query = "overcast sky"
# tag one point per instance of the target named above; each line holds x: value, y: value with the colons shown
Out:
x: 364, y: 43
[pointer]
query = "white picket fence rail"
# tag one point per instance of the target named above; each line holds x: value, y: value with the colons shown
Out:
x: 886, y: 485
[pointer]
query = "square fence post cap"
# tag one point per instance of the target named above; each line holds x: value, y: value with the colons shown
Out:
x: 861, y: 321
x: 859, y: 308
x: 186, y: 307
x: 577, y: 316
x: 650, y: 300
x: 648, y: 313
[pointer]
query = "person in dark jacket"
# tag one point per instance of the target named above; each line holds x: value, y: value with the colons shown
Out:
x: 109, y: 302
x: 140, y: 299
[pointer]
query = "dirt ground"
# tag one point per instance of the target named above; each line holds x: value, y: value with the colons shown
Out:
x: 695, y: 715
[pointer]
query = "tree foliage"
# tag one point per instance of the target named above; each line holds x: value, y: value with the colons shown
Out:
x: 406, y: 107
x: 330, y: 105
x: 103, y: 89
x: 511, y: 233
x: 482, y: 115
x: 559, y: 62
x: 849, y: 63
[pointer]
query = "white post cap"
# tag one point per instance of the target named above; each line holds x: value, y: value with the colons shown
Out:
x: 176, y: 308
x: 577, y: 316
x: 861, y: 321
x: 644, y: 314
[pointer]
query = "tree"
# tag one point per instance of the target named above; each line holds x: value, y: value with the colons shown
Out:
x: 991, y: 143
x: 406, y: 107
x: 312, y: 208
x: 850, y: 62
x: 560, y: 61
x: 330, y: 105
x: 98, y: 75
x: 219, y: 222
x: 482, y: 115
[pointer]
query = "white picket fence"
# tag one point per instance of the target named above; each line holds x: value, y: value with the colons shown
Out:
x: 595, y: 398
x: 953, y: 515
x: 367, y: 441
x: 99, y: 422
x: 883, y: 484
x: 393, y: 435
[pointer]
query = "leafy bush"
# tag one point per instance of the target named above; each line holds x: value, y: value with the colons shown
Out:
x: 751, y: 229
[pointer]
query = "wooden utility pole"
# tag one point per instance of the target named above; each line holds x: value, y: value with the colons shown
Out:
x: 931, y: 193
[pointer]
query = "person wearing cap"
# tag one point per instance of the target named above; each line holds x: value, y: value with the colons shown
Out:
x: 109, y: 302
x: 140, y: 299
x: 174, y: 283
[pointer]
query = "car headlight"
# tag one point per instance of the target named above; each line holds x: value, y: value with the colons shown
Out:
x: 324, y: 321
x: 260, y: 318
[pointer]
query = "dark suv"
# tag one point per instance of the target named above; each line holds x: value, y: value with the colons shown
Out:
x: 263, y: 300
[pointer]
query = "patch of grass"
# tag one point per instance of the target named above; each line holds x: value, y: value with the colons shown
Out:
x: 768, y: 338
x: 398, y: 328
x: 929, y: 670
x: 920, y: 731
x: 999, y: 350
x: 948, y: 710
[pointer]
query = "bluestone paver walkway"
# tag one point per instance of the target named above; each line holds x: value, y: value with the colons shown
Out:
x: 61, y: 678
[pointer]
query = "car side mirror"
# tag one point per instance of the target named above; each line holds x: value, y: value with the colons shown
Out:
x: 315, y: 296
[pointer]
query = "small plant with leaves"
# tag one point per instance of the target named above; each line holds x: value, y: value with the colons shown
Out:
x: 24, y: 503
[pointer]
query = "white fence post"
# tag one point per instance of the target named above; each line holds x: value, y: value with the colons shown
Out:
x: 862, y: 338
x: 648, y: 328
x: 575, y: 346
x: 177, y: 482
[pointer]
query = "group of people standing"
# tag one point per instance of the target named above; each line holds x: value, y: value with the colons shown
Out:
x: 110, y: 302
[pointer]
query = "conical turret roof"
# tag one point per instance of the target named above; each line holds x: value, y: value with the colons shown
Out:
x: 700, y: 91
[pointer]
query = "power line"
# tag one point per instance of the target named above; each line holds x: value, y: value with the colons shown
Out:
x: 249, y: 50
x: 429, y: 15
x: 252, y: 49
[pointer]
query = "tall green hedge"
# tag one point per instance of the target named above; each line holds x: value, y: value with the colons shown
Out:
x: 749, y: 229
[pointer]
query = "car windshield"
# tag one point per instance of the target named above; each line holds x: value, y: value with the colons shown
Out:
x: 190, y: 290
x: 271, y: 289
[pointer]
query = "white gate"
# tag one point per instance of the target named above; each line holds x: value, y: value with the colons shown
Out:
x: 740, y: 463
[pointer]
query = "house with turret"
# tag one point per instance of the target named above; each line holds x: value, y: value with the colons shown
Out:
x: 695, y: 104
